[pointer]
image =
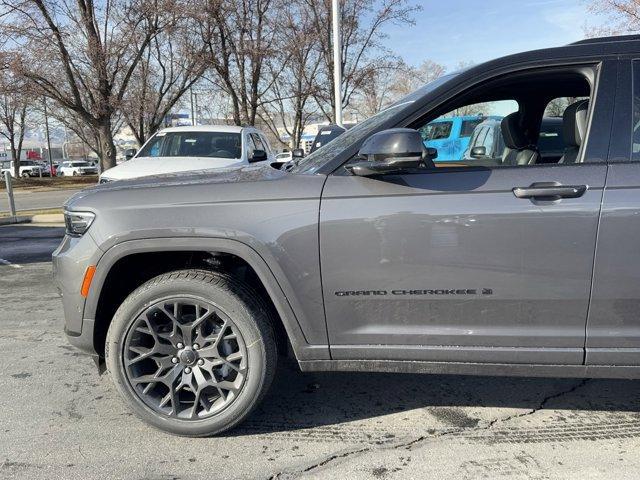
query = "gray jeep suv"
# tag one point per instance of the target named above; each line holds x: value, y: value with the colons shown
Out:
x: 368, y: 256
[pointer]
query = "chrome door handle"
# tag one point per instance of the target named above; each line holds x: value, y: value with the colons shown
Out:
x: 550, y: 191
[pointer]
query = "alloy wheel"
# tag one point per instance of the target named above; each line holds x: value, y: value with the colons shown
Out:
x: 185, y: 358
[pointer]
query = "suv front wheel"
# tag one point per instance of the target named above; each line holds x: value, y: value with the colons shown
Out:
x: 192, y: 352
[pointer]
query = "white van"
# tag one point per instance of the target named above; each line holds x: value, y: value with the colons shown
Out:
x: 181, y: 149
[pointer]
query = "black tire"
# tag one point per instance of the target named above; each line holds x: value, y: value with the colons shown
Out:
x: 233, y: 298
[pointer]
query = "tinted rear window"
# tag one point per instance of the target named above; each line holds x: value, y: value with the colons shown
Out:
x: 437, y: 130
x: 468, y: 126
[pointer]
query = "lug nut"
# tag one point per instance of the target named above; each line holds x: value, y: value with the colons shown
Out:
x: 187, y: 370
x: 201, y: 362
x: 180, y: 345
x: 196, y: 346
x: 174, y: 360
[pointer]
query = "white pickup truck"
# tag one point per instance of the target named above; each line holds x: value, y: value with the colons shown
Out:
x: 28, y: 168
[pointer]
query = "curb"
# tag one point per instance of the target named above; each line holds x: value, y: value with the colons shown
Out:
x: 14, y: 220
x: 40, y: 218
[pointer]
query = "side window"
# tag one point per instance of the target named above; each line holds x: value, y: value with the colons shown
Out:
x: 250, y: 145
x: 519, y: 121
x: 487, y: 143
x: 484, y: 118
x: 265, y: 143
x: 257, y: 141
x: 468, y: 126
x: 635, y: 146
x: 153, y: 147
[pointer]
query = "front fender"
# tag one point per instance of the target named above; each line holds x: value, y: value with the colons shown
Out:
x: 271, y: 275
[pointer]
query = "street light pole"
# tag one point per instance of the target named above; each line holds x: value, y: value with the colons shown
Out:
x: 193, y: 114
x: 337, y: 62
x: 46, y: 128
x: 195, y: 109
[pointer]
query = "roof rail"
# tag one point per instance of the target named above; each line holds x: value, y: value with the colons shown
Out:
x: 617, y: 38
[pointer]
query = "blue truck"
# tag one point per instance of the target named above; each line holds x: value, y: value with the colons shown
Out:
x: 450, y: 135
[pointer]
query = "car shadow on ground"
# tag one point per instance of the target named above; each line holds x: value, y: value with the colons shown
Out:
x: 306, y: 400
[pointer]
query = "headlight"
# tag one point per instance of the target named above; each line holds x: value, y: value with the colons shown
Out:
x: 77, y: 223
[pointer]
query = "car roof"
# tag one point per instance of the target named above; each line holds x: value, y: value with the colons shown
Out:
x: 206, y: 128
x: 457, y: 117
x: 588, y: 48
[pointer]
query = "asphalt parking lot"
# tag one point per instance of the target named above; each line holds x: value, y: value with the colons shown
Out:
x: 61, y: 420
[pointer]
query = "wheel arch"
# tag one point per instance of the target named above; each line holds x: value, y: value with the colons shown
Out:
x: 208, y: 247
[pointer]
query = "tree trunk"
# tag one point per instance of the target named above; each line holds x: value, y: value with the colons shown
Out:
x: 106, y: 145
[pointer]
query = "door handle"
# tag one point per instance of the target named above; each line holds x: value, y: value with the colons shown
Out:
x: 550, y: 191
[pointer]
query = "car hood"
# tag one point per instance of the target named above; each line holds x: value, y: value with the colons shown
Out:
x: 151, y: 166
x: 147, y: 189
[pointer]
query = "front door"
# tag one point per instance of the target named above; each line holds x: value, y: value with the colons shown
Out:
x: 465, y: 264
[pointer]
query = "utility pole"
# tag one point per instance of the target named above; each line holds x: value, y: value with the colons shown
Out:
x: 46, y: 128
x: 337, y: 62
x: 193, y: 112
x: 195, y: 109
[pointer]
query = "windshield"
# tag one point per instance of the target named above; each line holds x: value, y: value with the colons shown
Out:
x: 312, y: 162
x: 194, y: 144
x: 81, y: 164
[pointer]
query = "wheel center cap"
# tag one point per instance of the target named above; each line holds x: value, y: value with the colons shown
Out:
x: 188, y: 356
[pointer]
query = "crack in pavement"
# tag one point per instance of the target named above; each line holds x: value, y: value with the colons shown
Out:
x: 492, y: 423
x: 432, y: 435
x: 322, y: 463
x: 543, y: 403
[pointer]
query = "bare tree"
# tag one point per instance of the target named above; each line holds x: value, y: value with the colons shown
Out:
x: 623, y: 16
x: 362, y: 51
x: 13, y: 117
x: 290, y: 103
x: 391, y: 82
x: 240, y: 36
x: 84, y: 132
x: 83, y: 55
x: 174, y: 61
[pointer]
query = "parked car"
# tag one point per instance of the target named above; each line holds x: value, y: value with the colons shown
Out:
x: 326, y: 134
x: 369, y: 256
x: 181, y: 149
x: 28, y: 168
x: 46, y: 169
x: 76, y: 168
x: 450, y: 135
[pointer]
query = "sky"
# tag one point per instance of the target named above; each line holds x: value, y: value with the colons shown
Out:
x: 454, y: 31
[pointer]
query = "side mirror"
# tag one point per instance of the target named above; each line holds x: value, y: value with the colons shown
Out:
x: 130, y: 153
x: 392, y: 150
x: 258, y: 156
x: 479, y: 152
x: 297, y: 153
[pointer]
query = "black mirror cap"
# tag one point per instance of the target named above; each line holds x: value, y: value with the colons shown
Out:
x: 258, y: 156
x: 394, y: 142
x: 297, y: 153
x: 479, y: 152
x: 130, y: 153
